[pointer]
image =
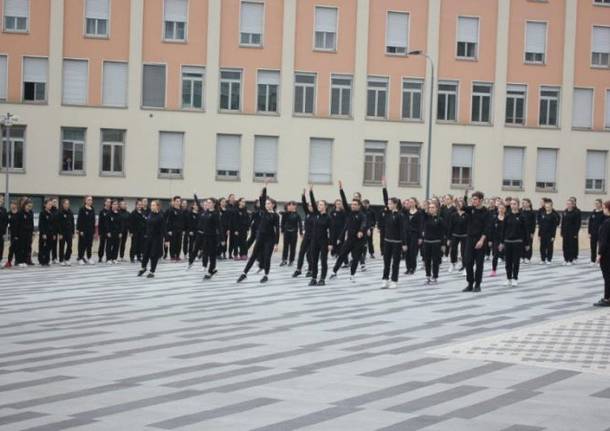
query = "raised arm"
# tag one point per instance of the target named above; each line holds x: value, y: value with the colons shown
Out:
x: 263, y: 198
x: 312, y: 199
x: 385, y: 192
x: 304, y: 203
x: 346, y: 207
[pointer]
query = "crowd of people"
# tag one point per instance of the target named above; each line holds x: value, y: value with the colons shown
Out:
x: 465, y: 231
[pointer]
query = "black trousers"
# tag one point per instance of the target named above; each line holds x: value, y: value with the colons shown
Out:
x: 432, y: 258
x: 123, y: 244
x: 337, y: 242
x: 304, y: 251
x: 392, y: 251
x: 381, y: 240
x: 112, y: 246
x: 263, y: 250
x: 570, y: 248
x: 187, y: 243
x: 222, y: 244
x: 319, y: 253
x: 65, y: 248
x: 101, y: 249
x: 152, y: 252
x: 137, y: 243
x: 474, y: 261
x: 369, y: 242
x: 592, y: 242
x: 23, y: 251
x: 412, y: 250
x: 457, y: 243
x: 605, y: 267
x: 290, y: 245
x: 512, y: 259
x: 11, y: 249
x: 175, y: 244
x: 527, y: 254
x: 546, y: 248
x: 44, y: 250
x: 85, y: 242
x: 496, y: 255
x: 234, y: 243
x: 242, y: 241
x: 53, y: 247
x: 353, y: 246
x: 1, y: 246
x: 208, y: 244
x: 251, y: 239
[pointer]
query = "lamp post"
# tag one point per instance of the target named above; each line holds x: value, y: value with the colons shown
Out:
x: 429, y: 158
x: 7, y: 121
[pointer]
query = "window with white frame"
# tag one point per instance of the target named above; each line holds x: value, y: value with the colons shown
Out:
x: 412, y: 99
x: 304, y: 93
x: 513, y: 167
x: 467, y: 37
x: 461, y: 165
x: 3, y: 76
x: 549, y: 106
x: 16, y: 15
x: 607, y: 116
x: 230, y: 90
x: 596, y: 171
x: 325, y: 37
x: 251, y: 23
x: 602, y: 2
x: 228, y: 156
x: 397, y: 33
x: 374, y: 161
x: 171, y: 154
x: 515, y: 103
x: 265, y: 157
x: 192, y: 87
x: 582, y: 109
x: 75, y: 82
x: 153, y: 86
x: 174, y: 20
x: 377, y: 97
x: 268, y: 84
x: 447, y: 101
x: 481, y: 103
x: 341, y: 95
x: 535, y: 42
x: 409, y: 170
x: 114, y: 87
x: 35, y: 72
x: 14, y: 159
x: 72, y: 150
x: 320, y: 160
x: 546, y: 169
x: 600, y: 46
x: 97, y: 13
x: 113, y: 148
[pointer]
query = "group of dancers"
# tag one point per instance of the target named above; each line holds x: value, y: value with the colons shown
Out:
x: 499, y: 229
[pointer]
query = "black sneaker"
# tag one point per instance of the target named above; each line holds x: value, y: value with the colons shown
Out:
x: 602, y: 303
x: 468, y: 289
x: 333, y: 275
x: 372, y: 256
x: 296, y: 273
x: 241, y: 278
x: 313, y: 282
x: 290, y: 263
x: 209, y: 275
x: 477, y: 288
x: 283, y: 263
x: 151, y: 275
x: 264, y: 279
x: 141, y: 272
x: 308, y: 274
x: 321, y: 283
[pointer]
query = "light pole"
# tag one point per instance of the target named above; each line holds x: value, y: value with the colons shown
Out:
x: 429, y: 158
x: 7, y: 121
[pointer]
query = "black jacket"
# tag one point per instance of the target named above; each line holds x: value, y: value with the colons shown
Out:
x: 515, y: 228
x: 308, y: 225
x: 124, y: 214
x: 86, y: 220
x: 3, y: 220
x: 478, y: 221
x: 45, y: 223
x: 102, y: 221
x: 243, y: 220
x: 570, y: 223
x: 191, y: 221
x: 208, y: 224
x: 291, y: 222
x: 433, y: 228
x: 114, y: 223
x: 371, y: 217
x: 603, y: 246
x: 596, y: 219
x: 355, y: 221
x: 321, y: 225
x: 155, y: 230
x: 137, y: 222
x: 413, y: 223
x: 269, y: 226
x: 174, y: 223
x: 547, y: 224
x: 530, y: 220
x: 337, y: 224
x: 25, y: 223
x: 393, y: 223
x: 496, y: 228
x: 66, y: 222
x: 457, y: 225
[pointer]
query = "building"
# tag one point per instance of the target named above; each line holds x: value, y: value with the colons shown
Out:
x: 161, y: 97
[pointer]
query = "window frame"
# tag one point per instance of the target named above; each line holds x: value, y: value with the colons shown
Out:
x: 16, y: 30
x: 447, y: 93
x: 45, y: 101
x: 513, y: 187
x: 549, y: 99
x: 593, y: 190
x: 461, y: 184
x: 405, y: 80
x: 266, y: 177
x: 192, y: 80
x: 231, y: 81
x: 10, y: 166
x: 96, y: 35
x: 336, y: 44
x: 113, y: 144
x: 474, y: 94
x: 261, y: 44
x: 331, y: 142
x: 341, y: 89
x: 170, y: 175
x: 546, y: 188
x: 267, y: 93
x: 217, y: 176
x: 386, y: 46
x: 599, y: 66
x: 506, y: 97
x: 142, y: 105
x: 186, y: 26
x: 477, y: 44
x: 305, y: 85
x: 545, y: 55
x: 374, y: 153
x: 378, y: 78
x: 73, y: 172
x: 401, y: 156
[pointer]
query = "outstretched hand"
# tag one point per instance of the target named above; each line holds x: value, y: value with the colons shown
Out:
x: 340, y: 184
x: 383, y: 182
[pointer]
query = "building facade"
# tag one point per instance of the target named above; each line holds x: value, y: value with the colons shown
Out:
x: 133, y: 98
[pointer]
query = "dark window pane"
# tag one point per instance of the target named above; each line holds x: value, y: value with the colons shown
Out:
x: 451, y: 107
x: 370, y: 103
x: 381, y: 96
x: 485, y: 113
x: 118, y: 159
x: 440, y: 107
x: 334, y: 101
x: 476, y: 108
x: 298, y: 99
x: 345, y: 102
x: 28, y: 91
x: 106, y: 154
x: 309, y: 100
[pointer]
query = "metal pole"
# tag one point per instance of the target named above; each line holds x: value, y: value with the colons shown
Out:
x: 7, y: 145
x: 430, y: 119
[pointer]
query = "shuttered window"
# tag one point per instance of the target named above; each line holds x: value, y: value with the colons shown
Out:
x: 467, y: 37
x: 326, y: 28
x: 3, y: 76
x: 114, y: 92
x: 175, y: 19
x: 268, y: 84
x: 607, y: 109
x: 461, y: 165
x: 397, y: 33
x: 153, y: 86
x: 97, y: 13
x: 374, y: 161
x: 228, y: 160
x: 600, y: 46
x: 75, y: 82
x: 16, y: 15
x: 171, y: 154
x: 35, y: 72
x: 513, y: 167
x: 265, y: 157
x: 582, y: 109
x: 546, y: 167
x: 320, y: 160
x: 410, y: 162
x: 535, y: 42
x: 251, y: 23
x: 596, y: 171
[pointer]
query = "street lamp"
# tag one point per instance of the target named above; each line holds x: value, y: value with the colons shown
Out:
x: 429, y: 158
x: 7, y: 121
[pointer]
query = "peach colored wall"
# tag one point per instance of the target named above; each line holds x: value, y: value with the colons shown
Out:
x: 249, y: 59
x: 115, y: 47
x: 320, y: 62
x: 585, y: 76
x: 468, y: 71
x: 393, y: 66
x: 175, y: 54
x: 17, y: 45
x: 534, y: 75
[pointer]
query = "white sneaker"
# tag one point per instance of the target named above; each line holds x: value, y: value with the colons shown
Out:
x: 543, y: 262
x: 352, y: 278
x: 62, y: 263
x: 68, y: 263
x: 515, y: 283
x: 464, y: 273
x: 54, y: 262
x: 393, y: 285
x: 385, y: 284
x: 451, y: 268
x: 108, y: 262
x: 548, y: 262
x: 82, y: 262
x: 190, y: 265
x: 91, y: 262
x: 22, y: 265
x: 508, y: 283
x: 570, y: 263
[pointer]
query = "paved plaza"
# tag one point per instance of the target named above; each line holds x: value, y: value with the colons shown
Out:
x: 96, y: 348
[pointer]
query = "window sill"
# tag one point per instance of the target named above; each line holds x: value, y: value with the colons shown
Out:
x: 481, y: 124
x: 326, y: 51
x: 24, y: 32
x: 412, y: 120
x: 247, y: 45
x: 34, y: 102
x: 472, y: 59
x: 13, y: 171
x: 446, y: 122
x: 268, y: 113
x: 262, y: 180
x: 73, y: 105
x: 512, y: 189
x: 410, y: 185
x: 551, y: 127
x: 460, y: 186
x: 188, y: 109
x: 303, y: 114
x: 176, y: 41
x: 600, y: 66
x: 538, y: 190
x: 73, y: 173
x: 229, y: 111
x: 515, y: 125
x: 595, y: 192
x: 394, y: 54
x: 341, y: 117
x: 97, y: 36
x: 375, y: 118
x: 112, y: 174
x: 601, y: 4
x: 534, y: 63
x: 582, y: 129
x: 170, y: 177
x: 152, y: 108
x: 228, y: 179
x: 371, y: 183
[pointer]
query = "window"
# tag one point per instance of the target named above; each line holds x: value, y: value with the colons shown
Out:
x: 3, y: 76
x: 320, y: 161
x: 153, y: 82
x: 397, y: 33
x: 171, y: 154
x: 602, y: 2
x: 467, y: 37
x: 192, y: 87
x: 376, y: 97
x: 304, y: 93
x: 410, y: 162
x: 461, y: 165
x: 113, y: 147
x: 596, y: 171
x: 175, y: 20
x: 228, y: 160
x: 411, y: 99
x: 447, y: 100
x: 265, y: 157
x: 268, y: 89
x: 35, y: 71
x: 600, y: 46
x: 546, y: 166
x: 16, y: 144
x: 607, y: 122
x: 549, y: 106
x: 515, y: 104
x: 75, y: 85
x: 513, y: 167
x: 535, y: 42
x: 72, y: 150
x: 341, y: 95
x: 481, y: 103
x: 114, y: 91
x: 374, y: 161
x: 326, y: 28
x: 582, y: 110
x: 230, y: 90
x: 251, y: 23
x: 96, y: 17
x: 16, y: 15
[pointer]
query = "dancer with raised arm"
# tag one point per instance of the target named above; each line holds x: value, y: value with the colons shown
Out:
x: 154, y: 235
x: 320, y: 240
x: 395, y: 238
x: 477, y: 231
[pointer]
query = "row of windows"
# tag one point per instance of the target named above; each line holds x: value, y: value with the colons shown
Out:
x: 171, y: 158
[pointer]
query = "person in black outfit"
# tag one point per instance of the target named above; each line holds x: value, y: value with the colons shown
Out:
x: 154, y: 234
x: 596, y: 219
x: 337, y: 218
x: 433, y: 241
x: 413, y: 219
x: 267, y: 238
x: 304, y: 249
x: 190, y: 231
x: 448, y: 208
x: 495, y: 234
x: 66, y: 233
x: 477, y: 231
x: 124, y: 216
x: 101, y: 229
x: 25, y: 232
x: 242, y: 225
x: 137, y: 226
x: 291, y: 227
x: 12, y: 229
x: 175, y: 226
x: 186, y: 239
x: 3, y: 226
x: 225, y: 220
x: 570, y: 227
x: 255, y: 220
x: 114, y: 233
x: 371, y: 220
x: 395, y: 238
x: 603, y: 255
x: 530, y: 220
x: 208, y: 234
x: 548, y: 220
x: 456, y: 235
x: 320, y: 240
x: 513, y: 241
x: 233, y: 232
x: 45, y: 233
x: 85, y: 230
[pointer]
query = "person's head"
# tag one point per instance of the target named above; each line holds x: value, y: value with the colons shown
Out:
x: 477, y: 199
x: 123, y: 205
x: 107, y: 203
x: 65, y: 204
x: 357, y: 196
x: 154, y: 206
x: 394, y: 204
x: 14, y: 207
x: 184, y: 204
x: 598, y: 204
x: 88, y: 201
x: 501, y: 208
x: 322, y: 206
x: 569, y: 204
x: 48, y: 204
x: 241, y: 203
x: 514, y: 205
x: 145, y: 203
x: 413, y: 204
x: 459, y: 204
x: 291, y: 207
x: 210, y: 204
x: 548, y: 204
x: 223, y: 203
x: 607, y: 208
x: 114, y: 206
x: 231, y: 199
x: 365, y: 203
x: 433, y: 207
x: 448, y: 199
x: 28, y: 205
x: 338, y: 205
x: 526, y: 204
x: 176, y: 202
x: 356, y: 205
x: 138, y: 204
x: 269, y: 205
x: 573, y: 199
